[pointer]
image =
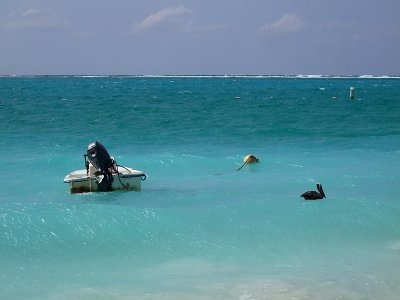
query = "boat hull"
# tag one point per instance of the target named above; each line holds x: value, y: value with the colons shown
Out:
x: 126, y: 179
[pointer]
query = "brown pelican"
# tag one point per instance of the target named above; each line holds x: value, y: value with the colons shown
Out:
x: 313, y: 195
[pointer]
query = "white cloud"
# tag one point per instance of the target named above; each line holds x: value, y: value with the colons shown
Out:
x: 31, y: 12
x: 160, y: 17
x: 31, y: 18
x: 286, y: 24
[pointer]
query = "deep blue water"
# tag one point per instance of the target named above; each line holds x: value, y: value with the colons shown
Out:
x: 199, y: 229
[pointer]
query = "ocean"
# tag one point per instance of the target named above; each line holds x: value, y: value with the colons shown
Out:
x: 200, y: 229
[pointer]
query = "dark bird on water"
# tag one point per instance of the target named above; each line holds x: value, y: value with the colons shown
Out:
x: 313, y: 195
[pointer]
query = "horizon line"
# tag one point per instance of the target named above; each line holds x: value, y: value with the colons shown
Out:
x: 207, y: 75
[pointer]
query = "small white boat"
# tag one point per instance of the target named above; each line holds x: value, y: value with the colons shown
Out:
x: 103, y: 174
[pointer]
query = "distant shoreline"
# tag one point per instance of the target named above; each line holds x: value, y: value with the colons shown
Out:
x: 213, y: 76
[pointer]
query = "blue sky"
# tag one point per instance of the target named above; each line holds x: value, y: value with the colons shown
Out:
x: 139, y: 37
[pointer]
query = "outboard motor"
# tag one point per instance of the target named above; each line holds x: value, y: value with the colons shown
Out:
x: 101, y: 160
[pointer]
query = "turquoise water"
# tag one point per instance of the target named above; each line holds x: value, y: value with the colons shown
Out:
x: 199, y: 229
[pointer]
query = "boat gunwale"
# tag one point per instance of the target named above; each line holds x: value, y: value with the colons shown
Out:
x: 71, y: 178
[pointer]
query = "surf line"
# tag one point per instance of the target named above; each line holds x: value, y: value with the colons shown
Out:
x: 248, y: 159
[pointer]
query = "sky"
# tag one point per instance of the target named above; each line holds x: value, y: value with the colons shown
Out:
x: 198, y: 37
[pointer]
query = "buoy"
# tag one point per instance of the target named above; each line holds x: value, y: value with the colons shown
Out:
x: 249, y: 159
x: 352, y: 91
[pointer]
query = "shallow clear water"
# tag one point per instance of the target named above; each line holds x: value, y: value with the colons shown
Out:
x: 199, y: 229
